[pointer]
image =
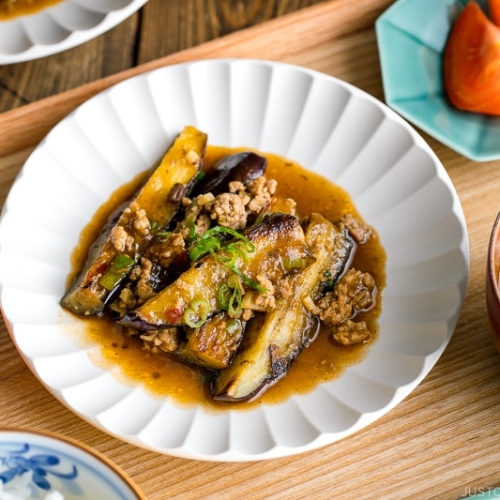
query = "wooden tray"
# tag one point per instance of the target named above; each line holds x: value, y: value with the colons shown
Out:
x: 441, y: 442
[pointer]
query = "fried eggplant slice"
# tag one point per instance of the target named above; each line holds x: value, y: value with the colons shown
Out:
x: 273, y: 340
x: 243, y: 167
x: 276, y: 240
x: 122, y: 241
x: 213, y: 344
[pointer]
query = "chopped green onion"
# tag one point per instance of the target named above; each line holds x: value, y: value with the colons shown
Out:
x: 223, y: 296
x: 199, y: 177
x: 249, y: 282
x: 230, y: 296
x: 197, y: 313
x: 233, y: 326
x: 190, y: 219
x: 120, y: 267
x: 234, y: 309
x: 163, y: 234
x: 210, y: 243
x: 234, y: 282
x: 153, y: 224
x: 205, y: 246
x: 300, y: 263
x: 192, y: 234
x: 262, y: 216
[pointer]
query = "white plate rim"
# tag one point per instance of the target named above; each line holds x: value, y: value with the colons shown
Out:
x: 323, y: 438
x: 75, y: 38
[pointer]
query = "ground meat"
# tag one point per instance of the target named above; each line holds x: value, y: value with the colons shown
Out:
x: 236, y: 187
x: 284, y: 289
x: 289, y: 206
x: 125, y: 302
x: 166, y: 340
x: 165, y: 251
x: 357, y: 229
x: 261, y: 191
x: 353, y: 293
x: 128, y: 298
x: 143, y: 287
x: 265, y: 301
x: 121, y: 239
x: 141, y: 222
x: 135, y: 217
x: 246, y: 315
x: 351, y: 333
x: 228, y: 210
x: 202, y: 224
x: 260, y: 301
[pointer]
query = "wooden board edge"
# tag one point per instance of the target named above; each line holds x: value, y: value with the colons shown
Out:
x: 275, y: 39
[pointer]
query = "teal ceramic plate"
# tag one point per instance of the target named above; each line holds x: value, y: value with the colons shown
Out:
x: 411, y: 37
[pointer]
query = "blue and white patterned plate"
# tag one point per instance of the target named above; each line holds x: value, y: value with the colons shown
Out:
x: 40, y: 465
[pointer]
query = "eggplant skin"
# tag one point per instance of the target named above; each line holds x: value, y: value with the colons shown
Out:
x: 269, y: 347
x: 214, y: 344
x: 273, y: 340
x: 277, y: 238
x: 86, y: 296
x: 243, y: 167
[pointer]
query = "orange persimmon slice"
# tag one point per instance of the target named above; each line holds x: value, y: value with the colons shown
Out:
x: 471, y: 64
x: 494, y: 8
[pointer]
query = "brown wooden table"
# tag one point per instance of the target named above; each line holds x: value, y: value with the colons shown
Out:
x: 443, y: 441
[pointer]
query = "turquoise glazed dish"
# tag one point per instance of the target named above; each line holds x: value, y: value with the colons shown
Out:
x: 411, y: 36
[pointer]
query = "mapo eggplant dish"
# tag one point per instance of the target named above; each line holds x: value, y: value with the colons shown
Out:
x: 214, y: 269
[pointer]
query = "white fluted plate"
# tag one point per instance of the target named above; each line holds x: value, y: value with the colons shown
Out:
x: 60, y: 27
x: 328, y: 126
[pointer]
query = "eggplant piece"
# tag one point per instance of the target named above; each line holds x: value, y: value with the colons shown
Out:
x: 107, y: 267
x: 214, y: 344
x: 278, y: 239
x: 273, y: 340
x: 244, y: 167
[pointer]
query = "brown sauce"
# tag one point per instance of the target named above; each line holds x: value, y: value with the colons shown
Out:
x: 13, y: 8
x: 163, y: 376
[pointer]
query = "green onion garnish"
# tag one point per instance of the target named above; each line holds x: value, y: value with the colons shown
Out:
x: 199, y: 177
x: 249, y: 282
x: 230, y: 296
x: 163, y: 234
x: 121, y: 266
x: 233, y: 326
x: 197, y: 313
x: 210, y: 243
x: 300, y: 263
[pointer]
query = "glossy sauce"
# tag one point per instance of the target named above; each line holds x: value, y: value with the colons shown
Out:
x: 164, y: 376
x: 9, y: 10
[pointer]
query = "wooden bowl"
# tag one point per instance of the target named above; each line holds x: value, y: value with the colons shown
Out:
x: 492, y: 281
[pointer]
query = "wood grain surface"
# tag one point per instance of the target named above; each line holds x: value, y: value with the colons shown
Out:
x: 441, y: 442
x: 160, y: 28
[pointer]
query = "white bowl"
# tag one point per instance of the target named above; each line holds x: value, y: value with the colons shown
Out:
x: 34, y: 464
x: 397, y: 183
x: 60, y: 27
